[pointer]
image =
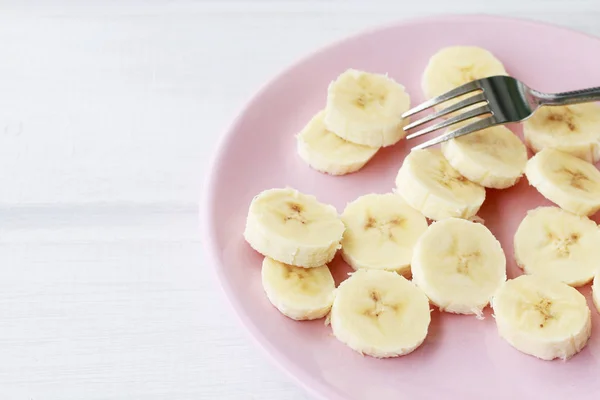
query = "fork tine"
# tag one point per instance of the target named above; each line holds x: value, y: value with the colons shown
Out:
x: 463, y: 89
x: 454, y: 107
x: 450, y: 121
x: 473, y: 127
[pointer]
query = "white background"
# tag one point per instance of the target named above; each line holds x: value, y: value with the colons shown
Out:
x: 108, y: 113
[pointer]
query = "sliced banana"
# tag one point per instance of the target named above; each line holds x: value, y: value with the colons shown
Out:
x: 573, y: 129
x: 459, y: 265
x: 293, y: 228
x: 558, y: 244
x: 381, y: 231
x: 380, y: 313
x: 493, y: 157
x: 428, y: 183
x: 454, y: 66
x: 298, y: 293
x: 366, y: 108
x: 596, y: 291
x: 568, y: 181
x: 326, y: 152
x: 542, y: 317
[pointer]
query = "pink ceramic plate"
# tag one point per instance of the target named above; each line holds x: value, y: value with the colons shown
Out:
x: 462, y: 358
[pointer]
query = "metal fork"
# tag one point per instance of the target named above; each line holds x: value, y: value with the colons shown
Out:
x: 505, y: 98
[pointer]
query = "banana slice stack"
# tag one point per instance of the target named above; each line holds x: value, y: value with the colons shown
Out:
x: 376, y: 311
x: 402, y: 264
x: 298, y: 235
x: 362, y: 114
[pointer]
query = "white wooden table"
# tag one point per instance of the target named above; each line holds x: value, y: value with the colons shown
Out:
x: 108, y: 113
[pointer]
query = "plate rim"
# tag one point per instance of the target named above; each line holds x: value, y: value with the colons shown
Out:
x: 206, y: 215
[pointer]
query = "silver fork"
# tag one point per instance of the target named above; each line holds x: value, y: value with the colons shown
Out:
x: 505, y: 98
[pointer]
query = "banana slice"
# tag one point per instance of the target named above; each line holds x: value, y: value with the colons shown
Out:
x: 381, y: 231
x: 293, y: 228
x: 571, y: 129
x: 557, y: 244
x: 454, y: 66
x: 380, y: 313
x: 366, y: 108
x: 459, y: 265
x: 542, y: 317
x: 428, y: 183
x: 568, y: 181
x: 596, y: 291
x: 298, y: 293
x: 326, y: 152
x: 493, y: 157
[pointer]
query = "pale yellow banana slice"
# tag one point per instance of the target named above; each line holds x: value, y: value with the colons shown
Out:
x: 326, y: 152
x: 542, y: 317
x: 454, y: 66
x: 573, y: 129
x: 596, y: 291
x: 558, y: 244
x: 493, y: 157
x: 298, y: 293
x: 293, y: 228
x: 428, y: 183
x: 366, y: 108
x: 380, y: 313
x: 568, y: 181
x: 459, y: 265
x: 381, y: 231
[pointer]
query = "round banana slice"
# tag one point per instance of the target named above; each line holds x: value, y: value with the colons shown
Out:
x: 381, y: 231
x: 459, y: 265
x: 326, y: 152
x: 454, y: 66
x: 428, y: 183
x: 366, y: 108
x: 573, y: 129
x: 542, y: 317
x: 293, y: 228
x: 493, y: 157
x: 298, y: 293
x: 557, y: 244
x: 567, y: 181
x: 380, y: 313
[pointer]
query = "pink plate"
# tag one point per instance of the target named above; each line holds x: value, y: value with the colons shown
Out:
x: 462, y: 357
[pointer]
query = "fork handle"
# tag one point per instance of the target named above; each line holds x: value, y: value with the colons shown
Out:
x: 566, y: 98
